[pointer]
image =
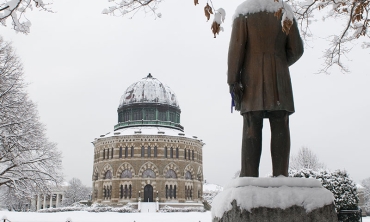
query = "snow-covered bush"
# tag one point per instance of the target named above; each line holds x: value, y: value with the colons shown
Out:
x: 342, y: 187
x: 73, y: 207
x: 104, y: 208
x: 210, y: 191
x: 167, y: 209
x: 94, y: 208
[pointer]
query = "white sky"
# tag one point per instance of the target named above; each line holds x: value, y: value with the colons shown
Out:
x: 79, y: 62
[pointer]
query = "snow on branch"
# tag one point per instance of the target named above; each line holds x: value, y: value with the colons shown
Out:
x: 125, y: 7
x: 131, y: 7
x: 15, y: 11
x: 355, y: 14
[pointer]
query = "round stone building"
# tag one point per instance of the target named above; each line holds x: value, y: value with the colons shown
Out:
x: 148, y: 157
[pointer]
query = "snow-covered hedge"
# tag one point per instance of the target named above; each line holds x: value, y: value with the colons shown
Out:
x: 94, y: 208
x: 73, y: 207
x: 104, y: 208
x: 167, y: 209
x: 210, y: 191
x: 342, y: 187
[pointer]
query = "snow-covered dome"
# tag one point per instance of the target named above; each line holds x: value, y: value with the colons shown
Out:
x: 148, y: 90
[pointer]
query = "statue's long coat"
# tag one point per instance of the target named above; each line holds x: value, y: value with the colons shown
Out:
x: 260, y: 54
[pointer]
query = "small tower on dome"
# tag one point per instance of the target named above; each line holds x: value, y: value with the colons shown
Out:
x: 148, y: 102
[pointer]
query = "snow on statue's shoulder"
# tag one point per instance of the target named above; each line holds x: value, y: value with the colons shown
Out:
x: 280, y: 192
x: 254, y: 6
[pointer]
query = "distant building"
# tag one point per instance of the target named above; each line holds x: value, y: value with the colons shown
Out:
x: 148, y: 157
x: 49, y: 200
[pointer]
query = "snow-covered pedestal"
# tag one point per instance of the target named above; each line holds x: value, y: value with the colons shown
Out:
x: 274, y: 199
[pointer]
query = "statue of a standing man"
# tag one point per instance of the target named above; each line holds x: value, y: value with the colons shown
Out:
x: 260, y: 54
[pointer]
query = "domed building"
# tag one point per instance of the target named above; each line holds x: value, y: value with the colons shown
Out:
x: 148, y: 157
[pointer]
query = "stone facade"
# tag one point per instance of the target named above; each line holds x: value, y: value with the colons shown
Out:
x: 137, y: 164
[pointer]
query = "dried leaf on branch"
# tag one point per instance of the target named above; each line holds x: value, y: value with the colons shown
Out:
x: 215, y: 28
x: 208, y: 11
x: 286, y: 26
x: 278, y: 13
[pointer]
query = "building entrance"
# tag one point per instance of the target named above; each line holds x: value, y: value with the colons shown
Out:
x: 148, y: 193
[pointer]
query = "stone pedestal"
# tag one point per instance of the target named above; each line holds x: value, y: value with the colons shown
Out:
x: 274, y: 199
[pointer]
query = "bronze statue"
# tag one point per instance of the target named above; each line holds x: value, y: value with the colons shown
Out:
x: 260, y: 54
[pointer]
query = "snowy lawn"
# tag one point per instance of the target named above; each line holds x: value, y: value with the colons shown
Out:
x: 83, y: 216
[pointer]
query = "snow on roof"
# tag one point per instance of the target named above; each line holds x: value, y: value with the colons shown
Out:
x: 149, y: 90
x: 150, y: 130
x: 254, y: 6
x: 281, y: 192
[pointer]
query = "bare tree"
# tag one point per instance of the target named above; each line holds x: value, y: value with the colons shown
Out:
x: 29, y: 163
x: 305, y: 159
x: 15, y: 10
x: 75, y: 192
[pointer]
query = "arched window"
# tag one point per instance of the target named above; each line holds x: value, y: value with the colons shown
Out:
x: 171, y: 191
x: 110, y: 192
x: 121, y: 193
x: 126, y: 174
x: 192, y: 154
x: 126, y: 152
x: 149, y: 151
x: 148, y: 173
x: 132, y: 151
x: 167, y: 192
x: 126, y: 191
x: 188, y: 192
x: 188, y: 154
x: 171, y: 152
x: 185, y: 154
x: 129, y: 191
x: 177, y: 152
x: 111, y: 155
x: 120, y: 152
x: 108, y: 153
x: 108, y: 175
x: 104, y: 154
x: 142, y: 151
x: 171, y: 174
x: 155, y: 151
x: 188, y: 175
x: 165, y: 152
x: 174, y: 192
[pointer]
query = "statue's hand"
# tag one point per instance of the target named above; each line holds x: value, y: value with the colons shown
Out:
x: 237, y: 90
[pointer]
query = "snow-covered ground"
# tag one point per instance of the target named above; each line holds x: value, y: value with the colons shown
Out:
x: 82, y: 216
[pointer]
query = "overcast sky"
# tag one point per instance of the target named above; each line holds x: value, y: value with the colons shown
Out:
x: 79, y: 62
